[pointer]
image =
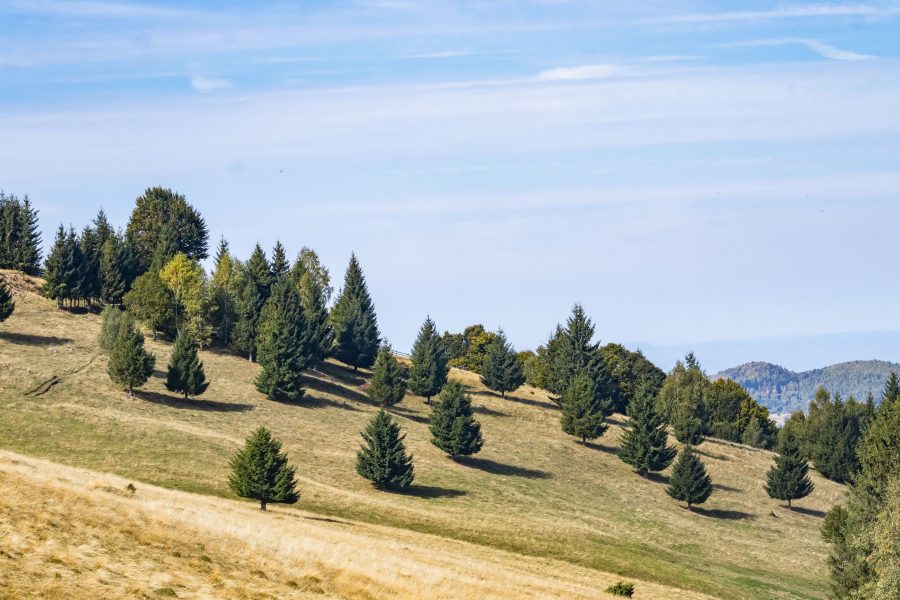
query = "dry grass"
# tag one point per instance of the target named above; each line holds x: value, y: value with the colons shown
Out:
x: 532, y: 491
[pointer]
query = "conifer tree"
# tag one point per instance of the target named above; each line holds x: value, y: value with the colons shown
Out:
x: 28, y: 250
x: 891, y: 391
x: 260, y: 471
x: 644, y: 442
x: 689, y: 482
x: 282, y: 344
x: 582, y: 415
x: 388, y: 384
x: 308, y: 262
x: 166, y: 249
x: 257, y: 287
x: 7, y: 305
x: 130, y: 365
x: 353, y: 319
x: 186, y: 375
x: 102, y: 228
x: 383, y: 459
x: 574, y: 352
x: 453, y: 428
x: 54, y: 284
x: 89, y: 287
x: 280, y: 264
x: 788, y: 479
x: 429, y: 362
x: 112, y: 271
x: 315, y: 311
x: 113, y: 320
x: 502, y: 372
x: 688, y: 429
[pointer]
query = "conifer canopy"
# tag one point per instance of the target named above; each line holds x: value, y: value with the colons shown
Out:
x: 383, y: 459
x: 689, y: 482
x: 788, y: 479
x: 453, y: 428
x: 130, y: 365
x: 186, y: 375
x: 388, y: 384
x: 583, y: 415
x: 502, y: 372
x: 429, y: 362
x: 261, y: 471
x: 644, y: 441
x: 282, y: 344
x: 7, y: 304
x: 353, y: 319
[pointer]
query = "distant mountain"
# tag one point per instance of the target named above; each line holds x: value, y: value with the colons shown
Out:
x: 784, y: 391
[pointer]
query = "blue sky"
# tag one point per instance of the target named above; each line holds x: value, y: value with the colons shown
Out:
x: 688, y: 170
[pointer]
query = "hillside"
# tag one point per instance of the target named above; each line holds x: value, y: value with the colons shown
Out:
x: 533, y: 515
x: 784, y: 391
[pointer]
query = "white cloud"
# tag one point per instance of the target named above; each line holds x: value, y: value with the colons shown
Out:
x: 578, y: 73
x: 820, y: 48
x: 781, y: 12
x: 205, y: 84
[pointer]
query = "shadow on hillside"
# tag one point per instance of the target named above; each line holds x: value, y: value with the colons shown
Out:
x: 328, y: 387
x: 717, y: 513
x: 490, y: 412
x: 191, y: 403
x: 600, y: 447
x: 721, y: 457
x: 520, y: 400
x: 497, y: 468
x: 345, y: 375
x: 657, y: 478
x: 725, y: 488
x: 307, y: 401
x: 28, y: 339
x: 810, y: 512
x: 408, y: 414
x: 328, y: 520
x: 158, y: 374
x: 431, y: 491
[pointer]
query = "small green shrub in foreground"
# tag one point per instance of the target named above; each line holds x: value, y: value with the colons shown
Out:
x: 621, y: 589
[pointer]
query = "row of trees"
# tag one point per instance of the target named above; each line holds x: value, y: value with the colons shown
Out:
x: 20, y: 236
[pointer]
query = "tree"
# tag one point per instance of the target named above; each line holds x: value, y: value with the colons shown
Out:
x: 788, y: 479
x: 130, y: 365
x: 629, y: 370
x: 261, y: 471
x: 160, y: 209
x: 429, y: 366
x: 453, y: 428
x: 891, y: 391
x: 7, y: 305
x: 257, y: 287
x: 150, y: 301
x: 353, y: 319
x: 282, y: 344
x: 224, y: 295
x: 113, y: 277
x: 388, y: 385
x: 883, y: 564
x: 28, y: 250
x: 685, y: 388
x: 689, y: 482
x: 308, y: 262
x: 502, y: 372
x: 187, y: 282
x: 112, y: 320
x: 280, y: 264
x: 645, y: 438
x: 830, y: 434
x: 466, y: 350
x: 582, y: 415
x: 318, y: 325
x: 89, y: 287
x: 687, y: 428
x: 186, y: 375
x: 383, y: 459
x: 62, y: 276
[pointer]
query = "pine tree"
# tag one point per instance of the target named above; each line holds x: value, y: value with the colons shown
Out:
x: 688, y: 429
x: 574, y: 352
x: 644, y: 441
x: 130, y: 365
x: 689, y: 482
x: 891, y: 391
x: 315, y: 311
x: 388, y: 384
x: 257, y: 287
x: 186, y: 375
x: 261, y: 471
x: 112, y: 271
x: 453, y: 428
x: 280, y: 264
x: 7, y: 305
x: 102, y: 228
x: 54, y: 286
x: 353, y: 319
x: 582, y: 415
x: 89, y: 287
x: 282, y: 344
x: 502, y: 372
x: 788, y: 479
x: 113, y: 320
x: 383, y: 459
x: 28, y: 250
x: 429, y: 362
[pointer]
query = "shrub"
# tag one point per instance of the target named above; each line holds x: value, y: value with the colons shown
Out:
x: 621, y: 589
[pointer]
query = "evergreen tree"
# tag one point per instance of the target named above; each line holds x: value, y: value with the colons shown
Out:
x: 280, y: 264
x: 224, y: 295
x: 28, y: 250
x: 788, y: 479
x: 753, y: 435
x: 453, y: 428
x: 166, y: 249
x: 644, y: 442
x: 89, y: 287
x: 282, y: 344
x: 102, y: 228
x: 186, y: 375
x: 253, y: 297
x: 54, y: 286
x: 582, y: 415
x: 112, y: 271
x: 113, y: 320
x: 7, y: 305
x: 383, y: 459
x: 429, y: 366
x: 353, y: 319
x: 689, y: 482
x: 502, y: 372
x: 308, y: 262
x: 891, y: 391
x: 130, y: 365
x: 388, y: 384
x: 261, y: 471
x: 315, y: 311
x: 688, y: 429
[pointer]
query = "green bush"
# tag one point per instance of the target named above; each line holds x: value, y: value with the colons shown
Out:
x: 621, y: 589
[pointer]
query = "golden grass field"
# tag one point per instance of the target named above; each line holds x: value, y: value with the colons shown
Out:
x: 533, y: 515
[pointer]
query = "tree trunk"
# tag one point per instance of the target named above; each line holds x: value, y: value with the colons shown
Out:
x: 262, y: 504
x: 131, y: 391
x: 789, y: 502
x: 503, y: 394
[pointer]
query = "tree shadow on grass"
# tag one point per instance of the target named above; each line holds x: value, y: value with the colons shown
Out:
x: 712, y: 456
x: 657, y: 478
x: 490, y: 412
x: 811, y: 512
x: 431, y: 491
x: 725, y: 488
x: 498, y: 468
x: 717, y: 513
x: 328, y: 387
x: 28, y: 339
x: 191, y: 403
x: 408, y: 414
x: 600, y: 447
x: 308, y: 401
x: 345, y: 375
x: 520, y: 400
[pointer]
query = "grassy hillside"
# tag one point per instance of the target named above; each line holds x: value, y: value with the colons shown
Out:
x: 532, y: 491
x: 784, y: 391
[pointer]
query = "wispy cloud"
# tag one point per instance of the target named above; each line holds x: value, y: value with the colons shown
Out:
x: 820, y: 48
x: 95, y: 9
x: 578, y: 73
x: 206, y: 84
x: 781, y: 12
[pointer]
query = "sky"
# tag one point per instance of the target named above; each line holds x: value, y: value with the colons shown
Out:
x: 690, y: 171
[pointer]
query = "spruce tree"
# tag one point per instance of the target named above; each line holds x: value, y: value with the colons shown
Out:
x: 891, y: 391
x: 788, y: 479
x: 582, y: 415
x: 7, y: 305
x: 453, y: 428
x: 429, y: 364
x: 502, y: 372
x: 383, y: 459
x: 644, y: 441
x: 224, y: 288
x: 54, y: 286
x: 388, y: 384
x: 186, y: 375
x: 130, y: 365
x: 282, y: 344
x: 353, y: 319
x: 689, y: 482
x: 260, y: 471
x: 257, y: 287
x: 28, y: 251
x: 688, y: 429
x: 315, y: 311
x: 112, y: 271
x: 89, y: 288
x: 280, y: 264
x: 113, y: 319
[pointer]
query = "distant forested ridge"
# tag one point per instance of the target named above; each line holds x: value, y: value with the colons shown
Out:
x: 784, y: 391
